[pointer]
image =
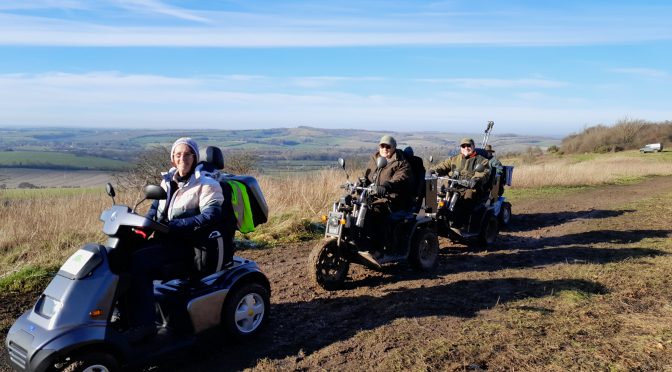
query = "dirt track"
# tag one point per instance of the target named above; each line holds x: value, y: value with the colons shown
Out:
x: 381, y: 313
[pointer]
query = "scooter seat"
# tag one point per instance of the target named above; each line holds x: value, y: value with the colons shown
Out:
x: 400, y: 216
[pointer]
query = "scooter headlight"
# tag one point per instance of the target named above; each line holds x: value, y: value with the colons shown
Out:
x: 47, y: 306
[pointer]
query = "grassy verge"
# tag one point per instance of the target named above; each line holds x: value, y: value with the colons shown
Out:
x: 47, y: 193
x: 27, y: 279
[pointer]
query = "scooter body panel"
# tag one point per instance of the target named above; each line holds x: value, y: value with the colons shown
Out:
x: 69, y: 314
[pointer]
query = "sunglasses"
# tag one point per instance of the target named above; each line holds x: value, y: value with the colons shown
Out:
x: 384, y: 146
x: 465, y: 145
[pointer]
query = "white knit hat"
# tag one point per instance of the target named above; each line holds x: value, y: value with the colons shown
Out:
x: 189, y: 142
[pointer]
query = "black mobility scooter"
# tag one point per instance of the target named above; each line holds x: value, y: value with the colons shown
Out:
x: 349, y: 239
x: 78, y: 322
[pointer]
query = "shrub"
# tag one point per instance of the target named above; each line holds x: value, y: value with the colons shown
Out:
x: 625, y: 134
x: 27, y: 185
x: 146, y: 170
x: 240, y: 162
x: 603, y: 149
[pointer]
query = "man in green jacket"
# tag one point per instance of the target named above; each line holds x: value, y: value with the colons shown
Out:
x: 463, y: 166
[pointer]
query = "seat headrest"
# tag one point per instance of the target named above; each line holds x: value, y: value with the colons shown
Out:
x: 214, y: 156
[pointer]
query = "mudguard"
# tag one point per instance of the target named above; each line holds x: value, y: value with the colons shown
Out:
x: 203, y: 302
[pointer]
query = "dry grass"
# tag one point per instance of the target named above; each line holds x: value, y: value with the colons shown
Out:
x: 43, y: 229
x: 588, y: 170
x: 40, y: 228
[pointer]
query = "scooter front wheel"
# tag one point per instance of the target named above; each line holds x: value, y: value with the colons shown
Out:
x: 424, y: 249
x: 246, y: 310
x: 92, y: 362
x: 326, y: 267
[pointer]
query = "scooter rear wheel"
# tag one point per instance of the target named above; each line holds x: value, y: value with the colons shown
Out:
x: 246, y: 310
x: 92, y: 362
x: 326, y: 267
x: 489, y: 230
x: 505, y: 214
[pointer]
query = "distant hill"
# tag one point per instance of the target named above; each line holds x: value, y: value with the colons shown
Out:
x: 301, y: 143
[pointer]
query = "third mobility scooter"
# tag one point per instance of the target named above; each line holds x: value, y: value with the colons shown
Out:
x: 484, y: 218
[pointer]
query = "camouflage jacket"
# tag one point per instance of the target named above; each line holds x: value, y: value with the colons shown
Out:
x: 465, y: 165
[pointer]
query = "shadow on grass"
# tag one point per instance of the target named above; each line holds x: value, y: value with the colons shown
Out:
x: 534, y: 221
x: 304, y: 327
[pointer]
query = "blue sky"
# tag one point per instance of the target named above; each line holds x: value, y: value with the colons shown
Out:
x: 534, y: 67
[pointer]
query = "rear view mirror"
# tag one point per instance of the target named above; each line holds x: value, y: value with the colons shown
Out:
x: 341, y: 162
x: 381, y: 162
x: 110, y: 190
x: 155, y: 192
x: 431, y: 158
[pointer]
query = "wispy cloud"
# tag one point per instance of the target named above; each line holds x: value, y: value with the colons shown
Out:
x: 353, y: 24
x: 641, y: 71
x: 498, y: 83
x: 155, y: 6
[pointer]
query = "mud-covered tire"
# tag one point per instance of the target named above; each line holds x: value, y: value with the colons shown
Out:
x: 505, y: 215
x: 326, y: 268
x: 246, y: 310
x: 424, y: 250
x: 92, y: 362
x: 489, y: 230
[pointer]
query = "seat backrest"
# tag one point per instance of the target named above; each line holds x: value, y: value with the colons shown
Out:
x: 214, y: 156
x: 214, y: 159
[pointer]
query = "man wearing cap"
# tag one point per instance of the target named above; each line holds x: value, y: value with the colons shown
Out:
x: 392, y: 183
x: 497, y: 170
x: 463, y: 167
x: 193, y: 206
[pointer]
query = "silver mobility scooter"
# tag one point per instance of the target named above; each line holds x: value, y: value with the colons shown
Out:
x: 78, y: 322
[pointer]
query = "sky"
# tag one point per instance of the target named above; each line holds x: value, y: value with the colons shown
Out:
x: 533, y: 67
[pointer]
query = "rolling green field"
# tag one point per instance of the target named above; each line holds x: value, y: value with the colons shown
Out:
x: 57, y: 160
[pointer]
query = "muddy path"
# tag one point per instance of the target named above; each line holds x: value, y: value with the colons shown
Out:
x: 314, y: 329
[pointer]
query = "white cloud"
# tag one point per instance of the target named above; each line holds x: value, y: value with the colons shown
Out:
x: 113, y: 99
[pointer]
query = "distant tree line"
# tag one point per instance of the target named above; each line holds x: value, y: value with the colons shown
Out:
x: 147, y: 168
x: 626, y: 134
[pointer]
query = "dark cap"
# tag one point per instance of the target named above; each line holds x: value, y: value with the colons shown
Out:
x: 488, y: 148
x: 467, y: 141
